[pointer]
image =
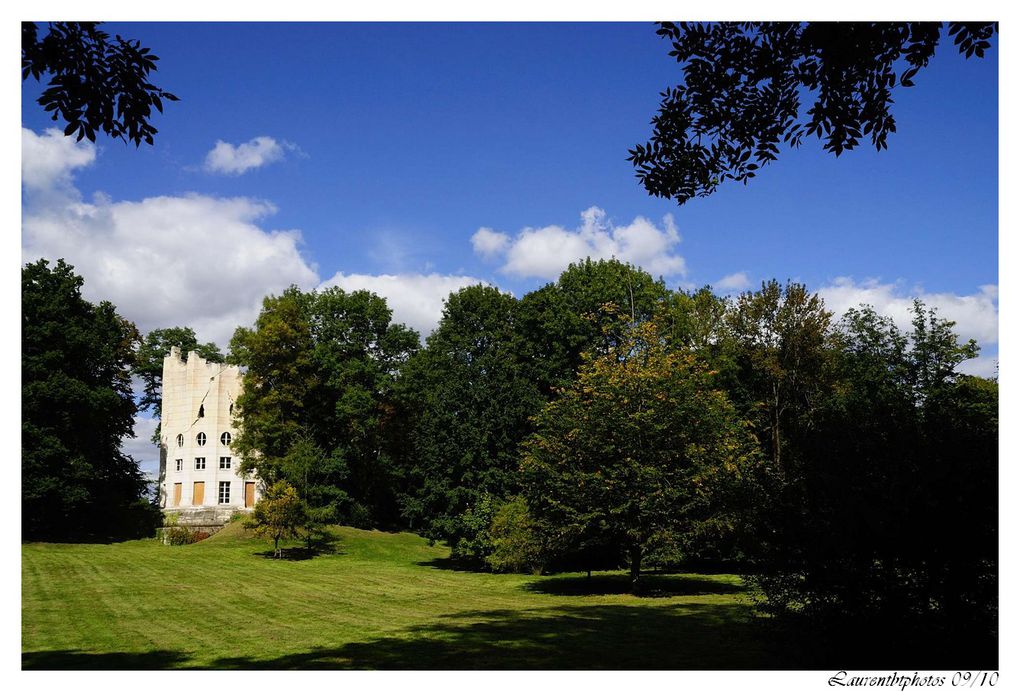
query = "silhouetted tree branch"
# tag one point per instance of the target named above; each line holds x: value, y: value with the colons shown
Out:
x: 745, y: 85
x: 95, y: 83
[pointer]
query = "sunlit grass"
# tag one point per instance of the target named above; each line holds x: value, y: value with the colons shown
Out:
x: 381, y: 601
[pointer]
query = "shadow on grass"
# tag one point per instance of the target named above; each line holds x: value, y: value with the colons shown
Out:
x: 83, y: 660
x: 695, y: 636
x: 297, y: 554
x: 699, y: 636
x: 326, y: 545
x: 449, y: 563
x: 651, y: 586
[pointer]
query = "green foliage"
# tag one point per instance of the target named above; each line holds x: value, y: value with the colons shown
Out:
x: 471, y: 393
x: 76, y: 360
x: 182, y: 535
x: 780, y: 347
x: 890, y: 513
x: 278, y: 381
x: 590, y: 304
x: 633, y: 452
x: 745, y: 82
x: 95, y: 83
x: 278, y: 514
x: 318, y: 406
x: 517, y: 544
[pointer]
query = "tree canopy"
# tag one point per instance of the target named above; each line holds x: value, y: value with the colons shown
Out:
x: 470, y: 393
x: 77, y: 406
x: 746, y: 85
x: 634, y: 451
x: 320, y: 373
x: 95, y: 83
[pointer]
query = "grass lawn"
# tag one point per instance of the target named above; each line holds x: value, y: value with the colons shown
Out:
x: 382, y: 601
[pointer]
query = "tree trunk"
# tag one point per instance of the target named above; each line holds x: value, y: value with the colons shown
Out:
x: 635, y: 567
x: 276, y: 546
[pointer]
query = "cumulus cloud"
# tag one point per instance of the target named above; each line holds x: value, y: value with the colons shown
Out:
x: 545, y: 252
x: 488, y: 243
x: 47, y: 160
x: 192, y: 260
x: 976, y: 314
x: 416, y: 299
x: 234, y: 160
x: 733, y: 282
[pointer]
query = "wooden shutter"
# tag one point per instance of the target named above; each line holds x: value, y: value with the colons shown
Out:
x: 198, y: 497
x: 177, y: 494
x: 249, y: 494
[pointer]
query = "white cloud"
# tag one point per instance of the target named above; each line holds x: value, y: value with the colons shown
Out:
x: 235, y: 160
x: 416, y: 299
x: 976, y: 315
x: 733, y: 282
x: 982, y: 366
x: 192, y: 260
x: 545, y: 252
x: 488, y: 243
x: 48, y: 159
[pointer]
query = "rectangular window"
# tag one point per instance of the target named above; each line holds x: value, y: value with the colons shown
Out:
x: 224, y: 492
x: 199, y: 463
x: 180, y: 464
x: 224, y: 462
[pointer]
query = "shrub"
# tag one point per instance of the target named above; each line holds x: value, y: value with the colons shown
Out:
x: 516, y: 542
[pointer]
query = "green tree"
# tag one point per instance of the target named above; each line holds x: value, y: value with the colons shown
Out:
x: 77, y: 406
x: 149, y: 363
x: 780, y: 337
x: 321, y: 369
x: 278, y: 514
x: 95, y: 83
x: 517, y: 540
x: 591, y: 303
x: 745, y: 85
x: 889, y: 520
x: 635, y: 450
x: 278, y: 382
x: 470, y: 392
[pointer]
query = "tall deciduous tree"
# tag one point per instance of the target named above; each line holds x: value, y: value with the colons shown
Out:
x: 590, y: 303
x: 636, y: 450
x: 471, y: 392
x: 746, y: 84
x: 780, y: 335
x: 321, y: 367
x: 77, y: 406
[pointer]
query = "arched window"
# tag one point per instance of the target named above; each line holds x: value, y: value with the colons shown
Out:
x: 180, y: 440
x: 200, y: 439
x: 225, y: 439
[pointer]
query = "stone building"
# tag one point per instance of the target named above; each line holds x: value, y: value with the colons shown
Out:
x: 199, y: 478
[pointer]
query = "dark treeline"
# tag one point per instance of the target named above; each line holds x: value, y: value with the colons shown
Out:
x: 604, y: 421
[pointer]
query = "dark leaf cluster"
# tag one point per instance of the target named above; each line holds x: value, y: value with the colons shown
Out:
x: 749, y: 87
x: 95, y: 83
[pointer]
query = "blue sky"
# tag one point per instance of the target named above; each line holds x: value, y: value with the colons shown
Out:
x: 391, y: 145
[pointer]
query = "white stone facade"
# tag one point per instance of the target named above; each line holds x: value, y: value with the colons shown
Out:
x: 199, y: 478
